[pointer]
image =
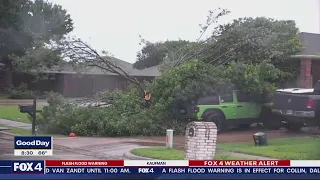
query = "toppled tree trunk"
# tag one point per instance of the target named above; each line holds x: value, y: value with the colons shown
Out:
x: 83, y: 55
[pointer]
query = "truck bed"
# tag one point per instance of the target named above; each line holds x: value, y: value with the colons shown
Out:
x: 291, y: 101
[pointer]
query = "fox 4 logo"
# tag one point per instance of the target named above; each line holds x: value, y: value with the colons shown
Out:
x: 27, y: 167
x: 145, y: 170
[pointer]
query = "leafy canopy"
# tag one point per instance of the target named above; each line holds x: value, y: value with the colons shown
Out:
x: 249, y: 40
x: 152, y: 54
x: 28, y: 27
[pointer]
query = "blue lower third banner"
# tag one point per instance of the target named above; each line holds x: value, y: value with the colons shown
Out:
x: 33, y: 142
x: 36, y: 170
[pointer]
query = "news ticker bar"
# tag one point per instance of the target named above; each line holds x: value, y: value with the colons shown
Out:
x: 181, y: 170
x: 167, y: 163
x: 158, y: 167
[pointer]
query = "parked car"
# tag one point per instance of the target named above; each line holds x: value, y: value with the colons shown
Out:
x: 299, y: 107
x: 230, y: 109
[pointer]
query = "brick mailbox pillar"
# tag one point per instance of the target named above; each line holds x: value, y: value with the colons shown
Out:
x: 201, y: 138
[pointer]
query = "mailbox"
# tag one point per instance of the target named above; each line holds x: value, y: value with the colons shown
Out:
x: 31, y: 110
x: 26, y: 108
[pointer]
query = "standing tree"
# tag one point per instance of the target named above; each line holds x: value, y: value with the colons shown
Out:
x: 249, y: 40
x: 27, y: 30
x: 152, y: 54
x: 253, y: 51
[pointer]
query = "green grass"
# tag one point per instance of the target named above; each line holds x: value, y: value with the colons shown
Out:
x: 300, y: 148
x: 171, y: 154
x: 13, y: 113
x: 3, y: 96
x: 25, y: 132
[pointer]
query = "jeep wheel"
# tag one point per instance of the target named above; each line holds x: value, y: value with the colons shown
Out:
x: 219, y: 119
x: 270, y: 121
x: 293, y: 127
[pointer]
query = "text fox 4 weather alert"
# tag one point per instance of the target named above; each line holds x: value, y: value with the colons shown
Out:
x: 145, y: 169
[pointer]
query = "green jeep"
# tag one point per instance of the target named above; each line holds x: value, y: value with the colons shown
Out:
x: 230, y: 109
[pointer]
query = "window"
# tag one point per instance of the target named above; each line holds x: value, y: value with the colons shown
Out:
x: 242, y: 97
x: 227, y: 97
x: 210, y: 100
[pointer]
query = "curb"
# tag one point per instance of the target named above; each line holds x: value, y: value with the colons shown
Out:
x: 129, y: 155
x: 7, y: 133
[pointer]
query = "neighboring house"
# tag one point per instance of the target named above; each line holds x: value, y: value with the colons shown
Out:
x: 68, y: 82
x: 78, y: 83
x: 309, y: 60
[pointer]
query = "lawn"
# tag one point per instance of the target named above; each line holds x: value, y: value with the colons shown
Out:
x: 171, y: 154
x: 13, y: 113
x: 300, y: 148
x: 3, y: 96
x: 25, y: 132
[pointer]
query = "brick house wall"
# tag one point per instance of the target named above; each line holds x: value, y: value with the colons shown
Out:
x: 305, y: 78
x: 309, y: 73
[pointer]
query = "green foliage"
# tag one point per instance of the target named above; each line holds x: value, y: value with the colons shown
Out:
x: 247, y: 40
x: 14, y: 94
x: 188, y: 82
x: 254, y: 40
x: 29, y: 26
x: 259, y: 81
x: 125, y: 117
x: 254, y: 51
x: 59, y: 116
x: 21, y: 92
x: 152, y: 54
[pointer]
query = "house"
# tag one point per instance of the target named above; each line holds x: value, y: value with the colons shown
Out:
x: 71, y: 82
x: 68, y: 82
x: 309, y: 60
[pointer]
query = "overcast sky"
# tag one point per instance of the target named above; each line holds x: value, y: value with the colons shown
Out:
x: 115, y: 25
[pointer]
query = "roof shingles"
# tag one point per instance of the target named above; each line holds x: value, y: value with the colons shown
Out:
x: 67, y: 68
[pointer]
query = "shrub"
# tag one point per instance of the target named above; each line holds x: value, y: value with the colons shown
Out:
x: 21, y: 92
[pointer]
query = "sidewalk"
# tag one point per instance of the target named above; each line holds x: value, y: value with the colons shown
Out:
x: 15, y: 102
x: 15, y: 124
